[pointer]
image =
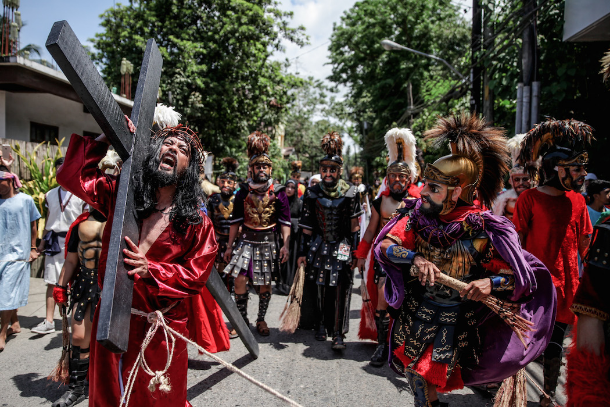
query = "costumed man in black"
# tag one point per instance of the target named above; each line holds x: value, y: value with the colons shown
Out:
x: 261, y: 209
x: 401, y: 173
x: 220, y: 210
x: 295, y: 175
x: 83, y: 248
x: 330, y: 233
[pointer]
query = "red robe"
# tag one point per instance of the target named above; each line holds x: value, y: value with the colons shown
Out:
x: 179, y: 265
x: 553, y: 226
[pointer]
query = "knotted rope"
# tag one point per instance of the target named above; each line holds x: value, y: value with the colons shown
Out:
x: 159, y: 377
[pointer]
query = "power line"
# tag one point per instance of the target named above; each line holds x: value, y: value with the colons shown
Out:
x: 307, y: 52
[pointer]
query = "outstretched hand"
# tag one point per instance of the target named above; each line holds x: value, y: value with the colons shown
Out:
x: 136, y: 259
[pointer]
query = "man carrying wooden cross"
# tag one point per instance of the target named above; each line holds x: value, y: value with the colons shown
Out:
x: 175, y: 255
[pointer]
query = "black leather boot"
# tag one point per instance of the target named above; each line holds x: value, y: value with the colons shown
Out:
x: 321, y: 333
x: 78, y: 373
x: 263, y: 304
x: 551, y: 368
x: 242, y: 305
x: 380, y: 356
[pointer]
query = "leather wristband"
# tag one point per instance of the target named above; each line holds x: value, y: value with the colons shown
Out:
x: 400, y: 255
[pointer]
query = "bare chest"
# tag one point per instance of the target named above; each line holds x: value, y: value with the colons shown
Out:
x: 152, y: 228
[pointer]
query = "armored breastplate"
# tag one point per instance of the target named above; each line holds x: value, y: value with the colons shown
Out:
x: 223, y: 213
x: 460, y: 260
x: 259, y: 210
x: 388, y: 210
x: 333, y: 218
x: 90, y: 234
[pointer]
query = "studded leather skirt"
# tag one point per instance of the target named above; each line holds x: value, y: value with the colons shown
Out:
x: 256, y: 256
x: 83, y: 292
x: 324, y: 263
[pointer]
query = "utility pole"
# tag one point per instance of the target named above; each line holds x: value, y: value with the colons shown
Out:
x: 488, y: 93
x: 475, y: 74
x: 530, y: 100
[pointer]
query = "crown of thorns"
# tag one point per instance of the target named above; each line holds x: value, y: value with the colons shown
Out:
x: 189, y: 136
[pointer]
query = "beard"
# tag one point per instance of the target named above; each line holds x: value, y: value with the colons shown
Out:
x: 162, y: 179
x: 226, y: 192
x: 434, y: 209
x: 330, y: 184
x: 578, y: 184
x: 261, y: 177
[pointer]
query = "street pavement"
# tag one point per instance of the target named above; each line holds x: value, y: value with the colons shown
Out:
x: 296, y: 365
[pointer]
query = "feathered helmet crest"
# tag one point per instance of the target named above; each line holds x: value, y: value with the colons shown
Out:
x: 560, y: 143
x: 605, y: 66
x: 296, y: 168
x: 333, y: 147
x: 401, y: 151
x: 356, y: 173
x: 165, y: 116
x: 479, y: 158
x: 258, y: 148
x: 230, y: 164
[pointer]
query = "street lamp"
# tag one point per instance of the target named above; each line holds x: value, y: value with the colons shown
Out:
x: 392, y: 46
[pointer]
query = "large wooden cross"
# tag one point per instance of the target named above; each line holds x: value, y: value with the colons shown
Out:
x: 117, y: 293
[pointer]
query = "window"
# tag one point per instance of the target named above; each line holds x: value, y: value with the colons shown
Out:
x: 42, y: 132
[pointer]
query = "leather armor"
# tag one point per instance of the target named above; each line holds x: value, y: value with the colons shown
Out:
x: 460, y: 260
x: 388, y: 209
x: 222, y: 213
x: 90, y: 234
x: 332, y: 213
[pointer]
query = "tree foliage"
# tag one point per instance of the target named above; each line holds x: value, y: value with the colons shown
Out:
x: 378, y: 80
x: 217, y: 70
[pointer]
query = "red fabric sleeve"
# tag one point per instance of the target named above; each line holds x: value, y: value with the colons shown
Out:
x: 80, y: 174
x: 586, y: 228
x: 187, y: 278
x: 523, y: 212
x: 399, y: 232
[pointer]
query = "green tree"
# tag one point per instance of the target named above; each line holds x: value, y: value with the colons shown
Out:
x: 217, y: 70
x: 378, y: 80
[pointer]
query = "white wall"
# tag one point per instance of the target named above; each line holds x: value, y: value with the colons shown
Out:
x: 44, y: 108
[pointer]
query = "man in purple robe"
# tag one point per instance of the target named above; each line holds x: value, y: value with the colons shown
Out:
x: 443, y: 339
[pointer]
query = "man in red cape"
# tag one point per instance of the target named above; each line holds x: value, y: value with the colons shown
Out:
x: 401, y: 173
x: 171, y: 277
x: 553, y: 222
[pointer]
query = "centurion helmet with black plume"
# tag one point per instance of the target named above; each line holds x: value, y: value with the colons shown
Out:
x: 258, y: 148
x: 230, y: 164
x: 478, y: 162
x: 560, y: 143
x: 333, y: 147
x: 401, y: 152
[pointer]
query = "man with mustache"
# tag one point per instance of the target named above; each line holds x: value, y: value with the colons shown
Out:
x: 171, y: 261
x: 401, y: 173
x: 261, y: 208
x: 330, y: 233
x: 442, y: 339
x: 519, y: 178
x: 553, y: 221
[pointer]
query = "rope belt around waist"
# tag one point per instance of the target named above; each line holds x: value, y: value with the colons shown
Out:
x: 159, y: 377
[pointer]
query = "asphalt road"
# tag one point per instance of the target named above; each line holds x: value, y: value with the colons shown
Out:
x: 296, y: 365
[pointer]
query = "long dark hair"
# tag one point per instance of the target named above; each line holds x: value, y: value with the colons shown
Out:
x: 189, y: 196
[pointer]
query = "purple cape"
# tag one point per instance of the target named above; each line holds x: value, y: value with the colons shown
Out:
x: 502, y: 353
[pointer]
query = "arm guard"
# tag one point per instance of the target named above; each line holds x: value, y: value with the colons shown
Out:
x: 400, y: 255
x: 600, y: 247
x: 502, y: 282
x: 304, y: 244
